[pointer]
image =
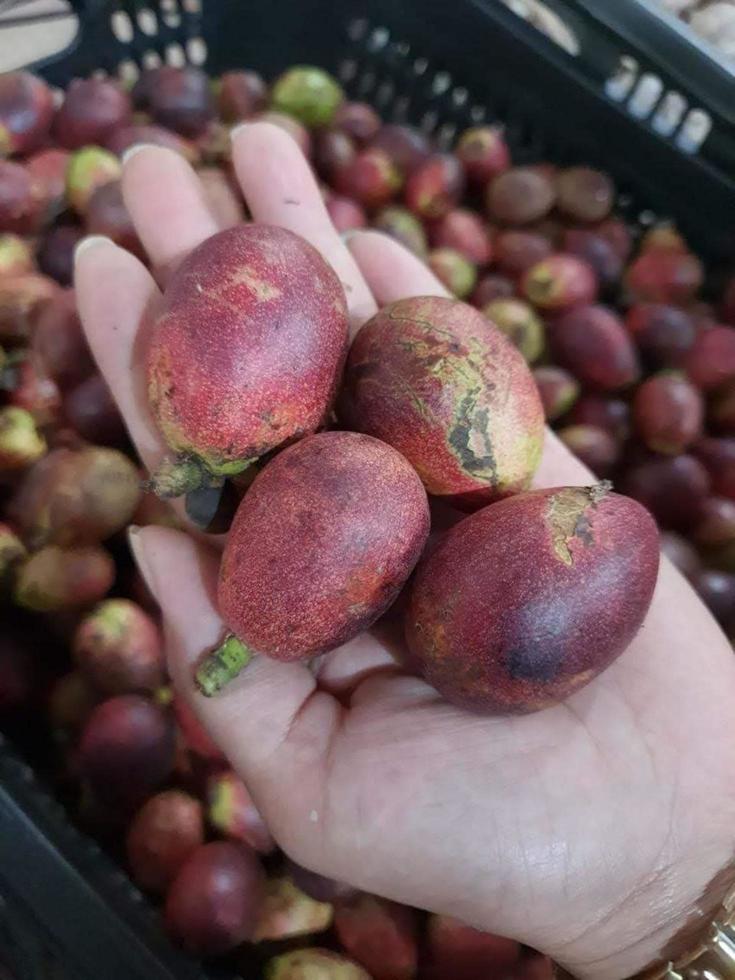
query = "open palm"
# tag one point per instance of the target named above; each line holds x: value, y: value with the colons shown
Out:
x: 589, y: 830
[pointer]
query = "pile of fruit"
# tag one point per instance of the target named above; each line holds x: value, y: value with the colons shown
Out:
x: 632, y: 365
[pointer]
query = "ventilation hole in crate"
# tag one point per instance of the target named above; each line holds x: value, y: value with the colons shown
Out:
x: 446, y: 134
x: 128, y: 71
x: 669, y: 113
x: 441, y: 83
x: 347, y: 69
x: 645, y: 218
x: 170, y: 14
x: 400, y: 108
x: 621, y: 82
x: 175, y: 55
x: 429, y: 121
x: 366, y: 83
x: 386, y: 91
x: 379, y: 37
x: 645, y: 96
x: 401, y: 48
x: 694, y: 130
x: 151, y: 59
x: 460, y: 96
x: 122, y: 26
x: 192, y: 6
x: 420, y: 65
x: 196, y: 49
x: 147, y: 21
x: 478, y: 114
x: 357, y: 29
x: 547, y: 21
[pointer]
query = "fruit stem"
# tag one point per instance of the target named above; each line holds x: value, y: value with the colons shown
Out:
x: 179, y: 476
x: 222, y: 665
x: 600, y: 490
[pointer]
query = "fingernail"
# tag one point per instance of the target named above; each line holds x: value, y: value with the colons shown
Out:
x: 137, y: 547
x: 240, y: 128
x: 91, y: 241
x: 136, y: 148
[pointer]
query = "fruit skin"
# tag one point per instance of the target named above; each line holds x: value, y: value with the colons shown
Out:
x: 308, y: 93
x: 717, y: 591
x: 345, y: 213
x: 333, y: 150
x: 214, y: 901
x: 663, y: 238
x: 288, y: 912
x: 92, y: 411
x: 463, y: 231
x: 584, y: 194
x: 265, y: 370
x: 520, y: 324
x: 16, y: 257
x: 76, y: 496
x: 26, y: 111
x: 596, y: 447
x: 517, y: 251
x: 107, y: 215
x: 404, y: 226
x: 483, y: 153
x: 593, y: 344
x: 718, y: 457
x: 721, y: 410
x: 55, y: 252
x: 453, y: 270
x: 358, y: 119
x: 120, y: 648
x: 21, y: 444
x: 313, y: 964
x: 370, y: 177
x: 293, y: 520
x: 710, y: 362
x: 674, y: 489
x: 232, y: 812
x: 33, y: 391
x: 379, y: 935
x: 241, y: 94
x: 608, y: 413
x: 126, y: 750
x: 664, y: 334
x: 435, y: 187
x: 178, y: 98
x: 527, y: 601
x: 89, y: 168
x: 124, y: 137
x: 716, y: 526
x: 665, y: 277
x: 92, y: 109
x: 58, y: 341
x: 55, y: 579
x: 456, y: 951
x: 668, y: 413
x: 161, y: 836
x: 520, y: 196
x: 597, y: 251
x: 21, y: 199
x: 472, y: 431
x: 489, y: 287
x: 21, y: 298
x: 48, y: 169
x: 70, y: 703
x: 406, y: 146
x: 559, y: 282
x: 558, y: 389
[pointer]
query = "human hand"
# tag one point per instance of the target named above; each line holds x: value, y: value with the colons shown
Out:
x: 590, y: 830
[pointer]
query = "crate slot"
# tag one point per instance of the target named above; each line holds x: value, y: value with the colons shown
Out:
x: 670, y: 113
x: 196, y: 49
x: 170, y: 13
x: 694, y: 131
x: 128, y: 71
x: 147, y: 21
x: 122, y: 26
x: 175, y: 55
x: 151, y: 59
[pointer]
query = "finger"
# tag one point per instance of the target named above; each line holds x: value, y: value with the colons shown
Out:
x: 167, y: 204
x: 280, y: 189
x: 393, y: 273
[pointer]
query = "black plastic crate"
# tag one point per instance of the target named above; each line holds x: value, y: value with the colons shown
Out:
x: 66, y: 912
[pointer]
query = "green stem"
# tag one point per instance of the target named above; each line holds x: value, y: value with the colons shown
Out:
x: 179, y: 476
x: 222, y: 665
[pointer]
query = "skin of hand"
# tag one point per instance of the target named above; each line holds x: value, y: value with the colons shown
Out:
x: 594, y: 830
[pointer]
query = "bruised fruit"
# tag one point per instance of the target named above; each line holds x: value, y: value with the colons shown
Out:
x: 89, y: 168
x: 674, y: 489
x: 26, y: 111
x: 232, y: 812
x: 295, y: 579
x: 379, y: 935
x: 527, y: 601
x: 483, y: 153
x: 593, y: 344
x: 76, y: 496
x: 241, y: 94
x: 718, y: 458
x: 406, y: 146
x: 162, y: 834
x: 456, y: 951
x: 308, y: 93
x: 55, y: 579
x: 710, y: 363
x: 21, y: 298
x: 178, y: 98
x: 466, y: 233
x: 92, y: 411
x: 665, y: 277
x: 404, y: 226
x: 518, y: 251
x: 264, y: 369
x: 520, y: 324
x: 558, y: 390
x: 120, y: 648
x: 55, y: 252
x: 214, y: 901
x: 313, y: 964
x: 435, y: 187
x: 16, y: 257
x: 584, y: 194
x: 453, y: 271
x: 433, y: 378
x: 288, y: 912
x: 126, y: 136
x: 664, y: 334
x: 345, y: 213
x: 358, y: 119
x: 520, y: 196
x: 668, y: 413
x: 595, y: 447
x: 370, y: 177
x: 126, y: 749
x: 21, y: 444
x: 21, y: 199
x: 58, y: 341
x: 93, y: 108
x: 559, y: 282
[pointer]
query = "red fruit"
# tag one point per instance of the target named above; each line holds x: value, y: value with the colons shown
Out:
x: 379, y: 935
x: 232, y: 812
x: 71, y: 701
x: 178, y: 98
x: 716, y: 526
x: 489, y: 287
x: 241, y: 95
x: 560, y: 282
x: 527, y: 601
x: 167, y: 829
x: 337, y: 479
x: 21, y: 444
x: 89, y: 168
x: 558, y: 389
x: 370, y: 177
x: 107, y: 215
x: 55, y: 579
x: 345, y: 213
x: 520, y: 324
x: 664, y: 334
x: 333, y: 151
x: 474, y: 429
x: 668, y: 413
x: 434, y: 187
x: 717, y: 591
x: 612, y: 414
x: 26, y: 111
x: 595, y: 447
x: 287, y: 912
x: 599, y: 253
x: 92, y: 109
x: 711, y: 361
x: 264, y: 370
x: 721, y: 410
x: 663, y: 238
x: 59, y: 344
x: 296, y: 130
x: 16, y: 257
x: 48, y: 170
x: 120, y: 648
x: 126, y: 749
x: 93, y: 413
x: 12, y: 550
x: 55, y: 252
x: 517, y: 251
x: 453, y: 271
x: 358, y: 119
x: 126, y: 136
x: 315, y: 885
x: 463, y: 231
x: 617, y: 233
x: 405, y: 227
x: 680, y: 553
x: 520, y: 196
x: 313, y: 964
x: 459, y: 952
x: 673, y: 489
x: 483, y: 153
x: 406, y: 147
x: 34, y: 391
x: 196, y: 737
x: 593, y: 344
x: 213, y: 903
x: 76, y: 496
x: 584, y: 194
x: 21, y: 199
x: 718, y: 457
x: 665, y: 277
